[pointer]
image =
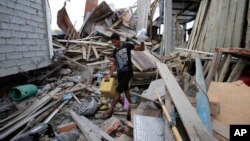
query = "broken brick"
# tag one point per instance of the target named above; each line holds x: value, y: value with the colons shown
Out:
x: 111, y: 125
x: 66, y: 127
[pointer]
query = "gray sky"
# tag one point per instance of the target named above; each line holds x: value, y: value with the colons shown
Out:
x: 75, y: 9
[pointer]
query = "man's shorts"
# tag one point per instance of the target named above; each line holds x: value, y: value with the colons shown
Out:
x: 123, y: 81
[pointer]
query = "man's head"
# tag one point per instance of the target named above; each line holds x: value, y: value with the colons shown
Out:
x: 115, y: 39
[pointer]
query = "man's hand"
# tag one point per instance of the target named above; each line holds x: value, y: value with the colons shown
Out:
x: 107, y: 76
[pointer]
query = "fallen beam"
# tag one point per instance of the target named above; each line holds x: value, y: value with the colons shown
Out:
x: 190, y: 119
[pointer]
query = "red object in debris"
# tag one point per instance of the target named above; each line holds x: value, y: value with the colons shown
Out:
x: 111, y: 125
x: 245, y: 76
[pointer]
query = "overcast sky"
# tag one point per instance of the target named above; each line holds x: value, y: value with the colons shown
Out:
x: 75, y: 9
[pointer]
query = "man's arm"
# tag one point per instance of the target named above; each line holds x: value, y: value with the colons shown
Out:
x: 113, y: 67
x: 140, y: 47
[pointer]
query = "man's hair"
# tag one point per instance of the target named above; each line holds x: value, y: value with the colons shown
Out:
x: 115, y: 36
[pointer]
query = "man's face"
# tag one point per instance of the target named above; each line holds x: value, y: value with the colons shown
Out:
x: 116, y: 43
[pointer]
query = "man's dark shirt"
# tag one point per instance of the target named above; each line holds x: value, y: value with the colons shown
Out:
x: 123, y: 58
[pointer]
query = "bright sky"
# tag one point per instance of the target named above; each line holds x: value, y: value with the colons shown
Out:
x: 75, y: 9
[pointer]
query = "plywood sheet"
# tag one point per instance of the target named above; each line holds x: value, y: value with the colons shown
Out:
x: 234, y: 102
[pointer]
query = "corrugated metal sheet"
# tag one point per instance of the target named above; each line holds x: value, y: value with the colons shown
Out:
x: 148, y: 128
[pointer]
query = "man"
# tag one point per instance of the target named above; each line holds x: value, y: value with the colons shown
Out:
x: 123, y: 64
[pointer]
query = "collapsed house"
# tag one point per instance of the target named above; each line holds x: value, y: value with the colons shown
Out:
x: 203, y: 82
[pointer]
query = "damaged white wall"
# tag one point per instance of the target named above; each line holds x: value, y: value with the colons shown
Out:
x: 24, y: 40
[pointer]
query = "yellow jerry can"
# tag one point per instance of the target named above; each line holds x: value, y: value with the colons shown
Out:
x: 107, y: 87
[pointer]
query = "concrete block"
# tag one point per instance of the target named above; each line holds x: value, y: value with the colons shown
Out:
x: 21, y: 48
x: 28, y: 67
x: 36, y: 5
x: 41, y: 25
x: 37, y: 18
x: 10, y: 26
x: 40, y: 13
x: 66, y: 127
x: 26, y: 28
x: 41, y: 53
x: 29, y: 42
x: 35, y: 47
x: 14, y: 41
x: 29, y: 54
x: 6, y: 10
x: 2, y: 57
x: 41, y: 42
x: 33, y: 35
x: 110, y: 125
x: 11, y: 4
x: 3, y: 2
x: 14, y: 55
x: 4, y: 18
x: 36, y: 60
x: 24, y: 15
x: 31, y: 22
x: 18, y: 34
x: 30, y: 10
x: 17, y: 20
x: 44, y: 63
x: 10, y: 71
x: 40, y: 30
x: 2, y: 41
x: 44, y: 47
x: 25, y: 2
x: 24, y: 61
x: 42, y: 36
x: 5, y: 33
x: 7, y: 48
x: 7, y: 63
x: 38, y: 1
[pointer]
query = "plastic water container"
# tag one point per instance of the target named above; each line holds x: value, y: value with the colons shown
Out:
x: 107, y: 87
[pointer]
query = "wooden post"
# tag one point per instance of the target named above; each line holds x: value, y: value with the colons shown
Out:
x: 225, y: 68
x: 213, y: 67
x: 235, y: 74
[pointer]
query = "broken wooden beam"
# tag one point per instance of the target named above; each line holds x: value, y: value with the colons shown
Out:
x: 91, y: 131
x: 193, y: 124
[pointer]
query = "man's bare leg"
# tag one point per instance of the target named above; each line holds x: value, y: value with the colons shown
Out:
x: 128, y: 96
x: 116, y: 98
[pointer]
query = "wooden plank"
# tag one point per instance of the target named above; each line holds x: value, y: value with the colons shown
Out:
x: 84, y: 54
x: 90, y: 130
x: 235, y: 74
x: 225, y: 68
x: 234, y: 102
x: 239, y: 21
x: 224, y: 10
x: 142, y: 61
x: 95, y: 52
x: 84, y: 42
x: 167, y: 39
x: 190, y: 119
x: 213, y: 67
x: 37, y: 104
x: 220, y: 128
x: 230, y: 23
x: 89, y: 51
x: 143, y: 9
x: 235, y: 51
x: 247, y: 41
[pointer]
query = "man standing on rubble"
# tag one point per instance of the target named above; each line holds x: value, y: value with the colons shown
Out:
x: 123, y: 64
